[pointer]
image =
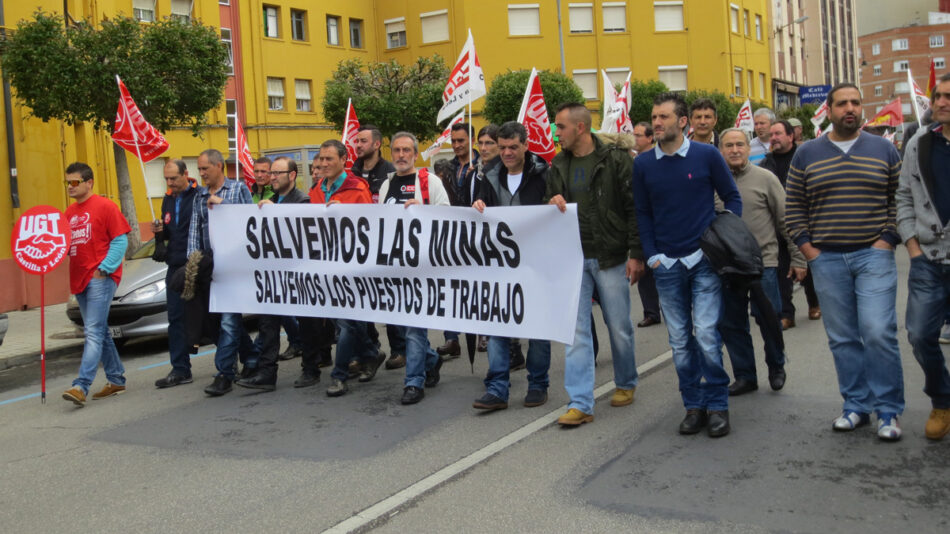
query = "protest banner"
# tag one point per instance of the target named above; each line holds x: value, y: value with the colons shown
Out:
x: 512, y: 271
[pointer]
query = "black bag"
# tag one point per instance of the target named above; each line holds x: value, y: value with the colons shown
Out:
x: 731, y: 248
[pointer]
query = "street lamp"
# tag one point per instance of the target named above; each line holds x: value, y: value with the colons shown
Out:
x: 799, y: 20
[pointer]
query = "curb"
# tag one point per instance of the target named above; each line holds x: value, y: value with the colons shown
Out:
x: 30, y: 357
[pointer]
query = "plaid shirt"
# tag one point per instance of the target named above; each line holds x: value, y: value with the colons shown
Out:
x: 232, y: 192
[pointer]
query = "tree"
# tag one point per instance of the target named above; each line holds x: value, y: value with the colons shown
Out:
x: 175, y: 71
x: 503, y: 101
x: 804, y: 114
x: 642, y: 94
x: 391, y: 96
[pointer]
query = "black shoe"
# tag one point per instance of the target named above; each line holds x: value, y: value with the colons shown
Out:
x: 535, y: 397
x: 220, y: 386
x: 718, y: 423
x: 369, y: 369
x: 291, y: 353
x: 489, y: 403
x: 412, y: 395
x: 777, y: 379
x: 452, y: 349
x: 432, y: 375
x: 307, y: 379
x: 742, y: 386
x: 172, y: 380
x: 649, y: 320
x: 694, y: 421
x: 516, y: 358
x: 396, y: 361
x: 247, y: 372
x: 258, y: 381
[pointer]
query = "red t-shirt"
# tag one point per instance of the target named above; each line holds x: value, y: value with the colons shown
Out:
x: 93, y: 224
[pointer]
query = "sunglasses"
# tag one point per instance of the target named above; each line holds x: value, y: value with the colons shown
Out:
x: 73, y: 183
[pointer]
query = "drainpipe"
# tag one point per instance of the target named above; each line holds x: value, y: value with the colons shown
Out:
x: 8, y: 112
x: 560, y: 36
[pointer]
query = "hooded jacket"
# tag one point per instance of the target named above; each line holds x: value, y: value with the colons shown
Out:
x: 354, y: 190
x: 494, y: 189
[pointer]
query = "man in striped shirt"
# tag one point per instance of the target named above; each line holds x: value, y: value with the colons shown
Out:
x: 841, y: 212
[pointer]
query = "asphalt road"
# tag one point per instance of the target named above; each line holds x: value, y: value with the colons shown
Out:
x: 295, y: 460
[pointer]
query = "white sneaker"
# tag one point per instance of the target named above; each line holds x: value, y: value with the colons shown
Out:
x: 888, y: 427
x: 849, y: 420
x: 945, y: 334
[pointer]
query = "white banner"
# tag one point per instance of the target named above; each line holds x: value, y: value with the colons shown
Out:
x: 512, y: 271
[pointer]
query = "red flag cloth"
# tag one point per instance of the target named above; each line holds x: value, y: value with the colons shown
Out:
x: 132, y: 132
x: 890, y: 115
x: 932, y: 80
x: 245, y: 160
x: 350, y: 129
x: 534, y: 117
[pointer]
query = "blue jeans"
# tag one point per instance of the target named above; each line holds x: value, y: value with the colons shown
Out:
x: 354, y: 343
x: 614, y: 292
x: 231, y: 339
x: 420, y: 357
x: 691, y: 304
x: 928, y: 288
x: 858, y: 293
x: 178, y: 353
x: 734, y: 328
x: 94, y: 302
x: 499, y: 359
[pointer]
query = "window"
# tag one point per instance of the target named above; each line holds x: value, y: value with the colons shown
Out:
x: 271, y: 18
x: 356, y: 33
x: 758, y: 27
x: 302, y: 94
x: 875, y: 49
x: 181, y: 10
x: 899, y: 44
x: 878, y: 90
x: 745, y: 22
x: 906, y: 109
x: 586, y: 79
x: 939, y: 63
x: 435, y: 26
x: 298, y: 25
x: 936, y: 41
x: 230, y: 107
x: 901, y: 66
x: 333, y: 30
x: 668, y: 16
x: 617, y: 75
x: 673, y: 76
x: 877, y: 70
x: 901, y: 88
x: 395, y: 32
x: 226, y: 39
x: 582, y: 17
x: 275, y: 94
x: 143, y: 10
x: 761, y: 86
x: 615, y: 17
x: 737, y: 82
x: 524, y: 19
x: 734, y: 18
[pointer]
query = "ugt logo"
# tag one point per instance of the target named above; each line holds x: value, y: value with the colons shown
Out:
x: 39, y: 239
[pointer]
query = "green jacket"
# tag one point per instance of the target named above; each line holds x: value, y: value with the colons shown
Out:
x: 259, y: 193
x: 616, y: 237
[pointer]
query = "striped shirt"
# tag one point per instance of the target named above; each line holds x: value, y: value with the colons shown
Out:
x: 843, y: 202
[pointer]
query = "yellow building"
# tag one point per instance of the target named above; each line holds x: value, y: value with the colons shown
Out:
x: 283, y: 51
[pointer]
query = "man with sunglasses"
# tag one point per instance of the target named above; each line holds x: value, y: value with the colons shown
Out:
x: 95, y: 267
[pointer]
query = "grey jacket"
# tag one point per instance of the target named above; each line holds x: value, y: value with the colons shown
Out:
x: 916, y: 213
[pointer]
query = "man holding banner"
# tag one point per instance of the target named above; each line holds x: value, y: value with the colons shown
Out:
x: 597, y: 178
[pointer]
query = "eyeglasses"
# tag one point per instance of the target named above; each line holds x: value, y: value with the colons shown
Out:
x: 74, y: 183
x: 277, y: 173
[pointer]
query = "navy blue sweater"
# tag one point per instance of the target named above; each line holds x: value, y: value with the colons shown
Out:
x: 674, y: 198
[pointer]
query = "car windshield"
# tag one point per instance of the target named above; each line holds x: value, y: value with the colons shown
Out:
x: 145, y: 251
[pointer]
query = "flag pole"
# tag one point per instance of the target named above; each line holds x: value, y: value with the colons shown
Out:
x: 913, y: 98
x: 471, y: 85
x: 138, y: 150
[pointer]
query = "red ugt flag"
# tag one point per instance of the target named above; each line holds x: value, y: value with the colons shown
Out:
x: 890, y: 115
x: 932, y: 79
x: 350, y: 129
x: 133, y: 132
x: 244, y: 155
x: 534, y: 117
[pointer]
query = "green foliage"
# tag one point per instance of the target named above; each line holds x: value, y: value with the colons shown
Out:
x: 175, y: 71
x: 804, y: 114
x: 392, y: 96
x: 503, y: 101
x: 643, y: 92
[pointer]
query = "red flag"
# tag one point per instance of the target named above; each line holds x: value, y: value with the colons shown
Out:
x: 932, y: 80
x: 534, y: 117
x: 350, y: 129
x: 245, y: 160
x: 132, y: 132
x: 890, y: 115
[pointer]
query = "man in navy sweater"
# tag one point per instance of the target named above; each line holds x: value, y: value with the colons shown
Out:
x: 673, y: 187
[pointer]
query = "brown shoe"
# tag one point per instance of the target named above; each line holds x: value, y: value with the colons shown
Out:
x: 814, y: 313
x: 575, y: 417
x: 396, y: 361
x: 787, y: 323
x: 75, y: 395
x: 108, y: 391
x: 622, y: 397
x: 451, y: 348
x: 482, y: 344
x: 649, y: 320
x: 938, y: 425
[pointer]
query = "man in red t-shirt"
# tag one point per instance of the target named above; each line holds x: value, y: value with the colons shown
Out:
x: 95, y: 267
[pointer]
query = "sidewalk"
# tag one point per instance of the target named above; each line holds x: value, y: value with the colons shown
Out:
x: 22, y: 343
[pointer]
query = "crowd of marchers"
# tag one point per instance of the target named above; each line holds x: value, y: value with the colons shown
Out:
x: 826, y: 213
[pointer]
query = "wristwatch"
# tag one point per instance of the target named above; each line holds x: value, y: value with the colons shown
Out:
x: 103, y: 273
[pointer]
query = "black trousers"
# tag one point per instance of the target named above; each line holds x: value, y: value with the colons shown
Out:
x: 650, y: 299
x: 786, y: 286
x: 316, y: 336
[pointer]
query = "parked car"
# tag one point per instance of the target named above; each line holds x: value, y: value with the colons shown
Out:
x: 4, y: 324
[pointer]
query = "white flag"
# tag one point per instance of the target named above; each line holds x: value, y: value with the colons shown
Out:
x: 446, y: 135
x: 744, y: 119
x: 466, y: 81
x: 918, y: 98
x: 819, y: 117
x: 616, y: 107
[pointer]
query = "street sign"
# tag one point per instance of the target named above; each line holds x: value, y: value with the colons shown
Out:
x: 812, y: 94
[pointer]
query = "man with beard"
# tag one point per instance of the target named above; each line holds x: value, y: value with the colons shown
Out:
x: 841, y: 213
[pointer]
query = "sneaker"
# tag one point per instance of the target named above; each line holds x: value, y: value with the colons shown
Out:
x: 888, y: 427
x: 489, y: 402
x: 396, y: 361
x: 108, y: 391
x: 622, y: 397
x: 291, y: 353
x: 535, y: 397
x: 76, y: 395
x: 849, y: 420
x: 945, y: 334
x: 337, y: 388
x: 173, y: 380
x: 369, y: 369
x: 575, y: 417
x: 938, y: 425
